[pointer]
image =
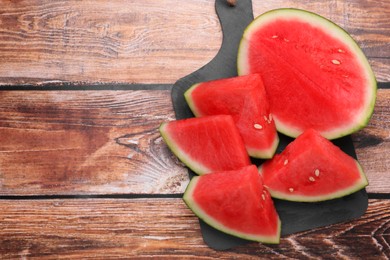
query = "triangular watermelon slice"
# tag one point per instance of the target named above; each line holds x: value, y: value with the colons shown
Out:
x: 245, y: 99
x: 311, y: 168
x: 206, y: 144
x: 315, y: 74
x: 235, y: 202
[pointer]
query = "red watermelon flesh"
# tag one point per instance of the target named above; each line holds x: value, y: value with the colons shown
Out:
x: 206, y: 144
x: 235, y: 202
x: 315, y: 74
x: 311, y: 168
x: 245, y: 99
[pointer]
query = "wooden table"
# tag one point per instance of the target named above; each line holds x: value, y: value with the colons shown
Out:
x: 84, y: 172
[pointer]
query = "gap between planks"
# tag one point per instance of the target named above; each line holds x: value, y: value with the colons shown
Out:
x: 87, y: 87
x: 384, y: 196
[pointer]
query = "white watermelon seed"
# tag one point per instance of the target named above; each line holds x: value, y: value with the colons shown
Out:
x: 263, y: 196
x: 258, y: 126
x: 268, y: 119
x: 285, y: 162
x: 340, y: 50
x: 336, y: 62
x: 317, y: 172
x: 274, y: 36
x: 291, y: 189
x: 311, y: 179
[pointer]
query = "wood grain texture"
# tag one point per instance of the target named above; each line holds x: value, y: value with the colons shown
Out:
x: 107, y: 142
x: 167, y: 229
x: 98, y: 41
x: 373, y: 145
x: 146, y: 41
x: 86, y: 142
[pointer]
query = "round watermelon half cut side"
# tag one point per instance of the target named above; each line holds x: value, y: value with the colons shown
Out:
x: 206, y: 144
x: 310, y: 169
x: 235, y: 202
x: 315, y: 74
x: 245, y: 99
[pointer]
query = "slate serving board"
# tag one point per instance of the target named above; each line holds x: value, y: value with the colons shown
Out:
x: 295, y: 217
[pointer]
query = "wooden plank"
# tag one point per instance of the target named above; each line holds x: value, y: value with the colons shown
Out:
x: 135, y: 228
x: 141, y: 41
x: 373, y: 145
x: 46, y: 42
x: 86, y: 142
x: 107, y: 142
x: 381, y: 69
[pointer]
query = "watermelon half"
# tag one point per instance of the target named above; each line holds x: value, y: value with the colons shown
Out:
x: 235, y: 202
x: 245, y: 99
x: 315, y: 74
x: 311, y: 168
x: 206, y: 144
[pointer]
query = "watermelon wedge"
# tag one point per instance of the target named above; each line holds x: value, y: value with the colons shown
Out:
x: 311, y: 168
x: 315, y: 74
x: 235, y: 202
x: 245, y: 99
x: 206, y: 144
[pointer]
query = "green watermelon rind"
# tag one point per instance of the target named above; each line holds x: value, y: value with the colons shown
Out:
x: 361, y: 183
x: 338, y: 32
x: 187, y: 97
x: 187, y: 197
x: 183, y: 157
x: 253, y: 152
x: 268, y: 154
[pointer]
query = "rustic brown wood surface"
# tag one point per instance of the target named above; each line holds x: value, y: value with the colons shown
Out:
x: 86, y: 142
x: 135, y: 228
x: 85, y: 173
x: 148, y: 41
x: 106, y: 142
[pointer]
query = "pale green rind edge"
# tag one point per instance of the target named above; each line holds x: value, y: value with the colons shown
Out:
x: 360, y: 184
x: 187, y: 197
x: 264, y: 153
x: 364, y: 118
x: 190, y: 102
x: 175, y: 148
